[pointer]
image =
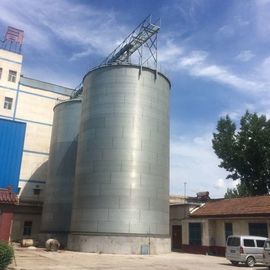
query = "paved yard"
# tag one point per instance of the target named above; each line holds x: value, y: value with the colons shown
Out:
x: 39, y: 259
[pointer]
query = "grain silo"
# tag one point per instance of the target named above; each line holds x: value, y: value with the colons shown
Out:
x: 121, y: 191
x: 121, y: 200
x: 57, y: 206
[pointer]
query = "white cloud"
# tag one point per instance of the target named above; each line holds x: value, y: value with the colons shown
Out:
x: 222, y: 184
x: 238, y: 112
x: 19, y: 16
x: 236, y: 115
x: 195, y: 58
x: 262, y: 17
x: 263, y: 69
x: 194, y: 161
x: 199, y: 64
x: 222, y: 75
x: 91, y: 30
x: 169, y: 52
x: 266, y: 63
x: 241, y: 22
x: 245, y: 56
x: 226, y: 31
x: 82, y: 54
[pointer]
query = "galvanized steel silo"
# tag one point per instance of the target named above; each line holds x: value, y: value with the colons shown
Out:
x: 121, y: 200
x: 57, y: 206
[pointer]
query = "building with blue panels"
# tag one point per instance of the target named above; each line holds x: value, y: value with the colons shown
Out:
x: 11, y: 148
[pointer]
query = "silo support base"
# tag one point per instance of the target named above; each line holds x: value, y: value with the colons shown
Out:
x: 119, y: 244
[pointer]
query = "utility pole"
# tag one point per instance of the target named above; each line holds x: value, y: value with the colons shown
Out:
x: 185, y: 198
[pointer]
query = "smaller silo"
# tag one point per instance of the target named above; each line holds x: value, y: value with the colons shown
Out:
x: 57, y: 205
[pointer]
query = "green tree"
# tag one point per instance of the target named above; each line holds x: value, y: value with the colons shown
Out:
x: 239, y: 191
x: 245, y: 153
x: 6, y: 255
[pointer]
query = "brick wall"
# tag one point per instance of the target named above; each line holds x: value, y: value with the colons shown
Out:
x: 5, y: 224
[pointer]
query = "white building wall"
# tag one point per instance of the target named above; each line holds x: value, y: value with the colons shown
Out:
x: 18, y: 225
x: 206, y: 230
x: 220, y: 233
x: 213, y: 230
x: 9, y: 61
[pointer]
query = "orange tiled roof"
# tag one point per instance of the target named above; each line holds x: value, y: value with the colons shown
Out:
x: 246, y: 206
x: 8, y: 197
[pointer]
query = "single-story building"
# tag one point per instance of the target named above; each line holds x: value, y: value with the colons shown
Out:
x: 207, y: 228
x: 180, y: 208
x: 8, y: 200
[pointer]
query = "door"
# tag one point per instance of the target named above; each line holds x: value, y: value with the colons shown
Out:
x: 176, y: 237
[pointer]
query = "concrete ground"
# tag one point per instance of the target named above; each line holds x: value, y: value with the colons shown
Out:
x: 38, y: 259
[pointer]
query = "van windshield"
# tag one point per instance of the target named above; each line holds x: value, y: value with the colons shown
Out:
x: 233, y: 241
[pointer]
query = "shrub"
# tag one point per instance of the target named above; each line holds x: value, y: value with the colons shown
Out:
x: 6, y: 255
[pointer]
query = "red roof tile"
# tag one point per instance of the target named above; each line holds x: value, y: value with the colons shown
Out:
x: 8, y: 197
x: 246, y: 206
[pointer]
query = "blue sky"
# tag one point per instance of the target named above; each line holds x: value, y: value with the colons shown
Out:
x: 216, y: 54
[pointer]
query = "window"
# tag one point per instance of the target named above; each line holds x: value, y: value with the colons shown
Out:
x: 36, y: 191
x: 249, y: 243
x: 8, y: 103
x: 1, y: 71
x: 260, y: 243
x: 258, y: 229
x: 195, y: 234
x: 12, y: 76
x: 27, y: 228
x: 234, y: 241
x: 228, y: 230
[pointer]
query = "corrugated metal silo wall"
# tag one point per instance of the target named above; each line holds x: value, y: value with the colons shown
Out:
x: 11, y: 148
x: 62, y: 161
x: 122, y: 173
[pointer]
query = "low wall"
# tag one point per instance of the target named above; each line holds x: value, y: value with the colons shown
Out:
x: 211, y: 250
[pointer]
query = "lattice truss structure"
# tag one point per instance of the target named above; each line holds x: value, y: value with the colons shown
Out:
x: 143, y: 41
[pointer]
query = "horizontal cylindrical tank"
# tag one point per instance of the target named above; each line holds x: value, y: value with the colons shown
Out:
x: 57, y: 206
x: 122, y: 172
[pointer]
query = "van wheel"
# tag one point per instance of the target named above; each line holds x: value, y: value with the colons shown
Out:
x: 234, y: 263
x: 250, y: 262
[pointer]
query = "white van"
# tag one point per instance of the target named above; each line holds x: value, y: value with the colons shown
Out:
x: 245, y: 249
x: 266, y: 253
